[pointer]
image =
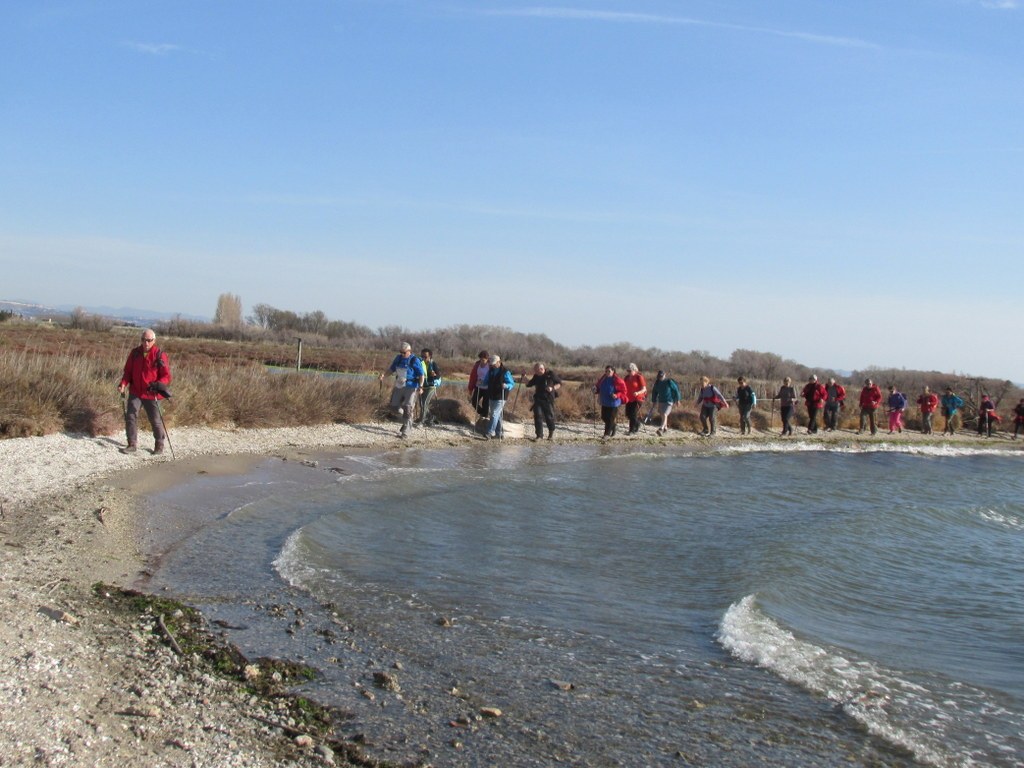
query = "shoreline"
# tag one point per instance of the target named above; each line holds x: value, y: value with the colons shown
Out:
x: 74, y: 677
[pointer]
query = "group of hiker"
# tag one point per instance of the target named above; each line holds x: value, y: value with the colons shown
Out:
x: 829, y: 399
x: 490, y: 383
x: 416, y: 380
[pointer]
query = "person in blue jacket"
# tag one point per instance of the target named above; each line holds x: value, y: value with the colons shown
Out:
x: 611, y: 393
x: 951, y: 403
x: 664, y: 395
x: 897, y: 403
x: 408, y: 372
x: 498, y: 382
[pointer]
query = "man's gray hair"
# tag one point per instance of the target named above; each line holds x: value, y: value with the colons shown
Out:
x: 406, y: 346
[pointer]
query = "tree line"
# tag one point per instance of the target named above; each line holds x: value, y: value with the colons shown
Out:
x: 464, y: 341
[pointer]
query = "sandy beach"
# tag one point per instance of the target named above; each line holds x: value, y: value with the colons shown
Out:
x: 82, y: 685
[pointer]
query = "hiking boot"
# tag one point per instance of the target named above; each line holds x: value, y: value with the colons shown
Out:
x: 158, y: 449
x: 129, y: 449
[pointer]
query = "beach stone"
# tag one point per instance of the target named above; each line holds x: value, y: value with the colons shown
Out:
x: 58, y: 615
x: 325, y: 753
x: 563, y: 685
x: 303, y: 740
x: 387, y: 681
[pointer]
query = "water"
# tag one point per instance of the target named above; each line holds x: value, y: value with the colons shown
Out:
x: 631, y: 607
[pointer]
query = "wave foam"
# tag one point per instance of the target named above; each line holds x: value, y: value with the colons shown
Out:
x: 778, y: 446
x: 902, y: 712
x: 1007, y: 520
x: 290, y: 563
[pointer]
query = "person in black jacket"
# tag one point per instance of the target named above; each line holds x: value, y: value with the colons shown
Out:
x: 546, y: 385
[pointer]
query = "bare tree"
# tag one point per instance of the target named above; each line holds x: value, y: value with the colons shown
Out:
x: 229, y: 311
x: 261, y: 315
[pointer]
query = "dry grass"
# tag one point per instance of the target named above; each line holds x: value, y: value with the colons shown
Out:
x: 55, y: 379
x: 67, y: 381
x: 44, y: 394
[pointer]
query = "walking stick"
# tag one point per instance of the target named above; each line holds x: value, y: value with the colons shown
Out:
x: 515, y: 402
x: 162, y: 389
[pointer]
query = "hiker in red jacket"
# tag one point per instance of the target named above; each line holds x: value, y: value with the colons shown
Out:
x: 835, y: 395
x: 146, y: 365
x: 870, y: 398
x: 814, y: 395
x: 929, y: 402
x: 636, y: 391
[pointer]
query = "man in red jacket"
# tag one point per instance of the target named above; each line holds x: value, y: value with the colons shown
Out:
x: 146, y: 365
x: 814, y: 395
x: 870, y: 398
x: 835, y: 395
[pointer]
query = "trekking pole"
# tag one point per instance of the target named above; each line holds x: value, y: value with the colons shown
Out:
x: 163, y: 390
x: 515, y: 401
x: 163, y: 426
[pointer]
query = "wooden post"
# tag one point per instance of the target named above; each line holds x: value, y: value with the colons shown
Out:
x: 298, y: 359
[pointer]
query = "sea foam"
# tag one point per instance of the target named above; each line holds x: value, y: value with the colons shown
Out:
x: 905, y: 713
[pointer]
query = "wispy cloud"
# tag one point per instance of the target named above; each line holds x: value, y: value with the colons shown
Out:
x: 153, y: 49
x: 1002, y: 5
x: 627, y: 17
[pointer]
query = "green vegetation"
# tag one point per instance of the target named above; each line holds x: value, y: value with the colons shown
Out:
x: 186, y: 632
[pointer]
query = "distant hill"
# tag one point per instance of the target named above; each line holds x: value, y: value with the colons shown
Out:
x: 129, y: 315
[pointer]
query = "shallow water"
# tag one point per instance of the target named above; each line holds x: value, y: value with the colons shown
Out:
x: 630, y: 607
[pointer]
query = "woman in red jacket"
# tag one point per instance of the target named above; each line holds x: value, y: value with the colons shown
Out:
x: 636, y: 391
x: 146, y: 365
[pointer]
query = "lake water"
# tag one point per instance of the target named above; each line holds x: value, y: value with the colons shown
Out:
x: 628, y: 605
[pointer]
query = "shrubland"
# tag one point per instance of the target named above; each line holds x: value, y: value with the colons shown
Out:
x: 63, y: 377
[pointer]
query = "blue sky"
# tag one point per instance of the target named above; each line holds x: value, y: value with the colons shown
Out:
x: 840, y: 183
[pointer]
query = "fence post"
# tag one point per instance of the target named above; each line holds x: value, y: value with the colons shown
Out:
x: 298, y: 359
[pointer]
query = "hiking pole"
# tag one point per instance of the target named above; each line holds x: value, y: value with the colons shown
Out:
x: 162, y: 389
x: 515, y: 402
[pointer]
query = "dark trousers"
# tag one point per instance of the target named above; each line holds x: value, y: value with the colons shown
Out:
x: 812, y: 418
x: 831, y: 416
x: 543, y: 414
x: 609, y: 413
x: 787, y: 418
x: 708, y: 419
x: 633, y: 414
x: 867, y: 415
x: 131, y: 420
x: 745, y: 419
x: 479, y: 401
